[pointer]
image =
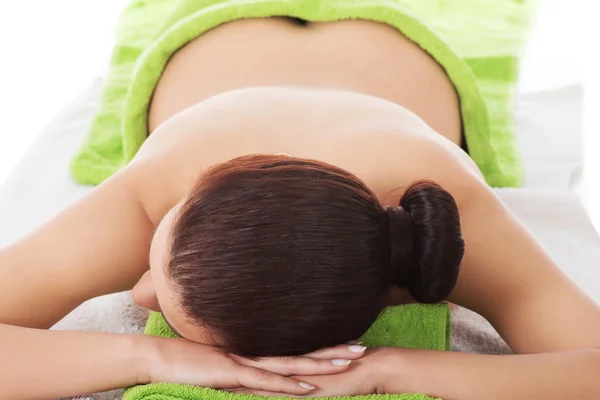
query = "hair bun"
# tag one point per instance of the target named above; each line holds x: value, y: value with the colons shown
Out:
x: 402, y: 257
x: 426, y: 243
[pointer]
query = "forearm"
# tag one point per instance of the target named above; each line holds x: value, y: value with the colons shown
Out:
x: 464, y: 376
x: 96, y: 246
x: 39, y: 364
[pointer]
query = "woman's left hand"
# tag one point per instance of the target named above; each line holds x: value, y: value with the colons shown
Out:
x: 364, y: 376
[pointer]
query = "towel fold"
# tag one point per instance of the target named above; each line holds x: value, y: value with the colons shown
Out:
x: 477, y: 42
x: 408, y: 326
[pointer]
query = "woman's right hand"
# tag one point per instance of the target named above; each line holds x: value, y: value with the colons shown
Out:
x: 186, y: 362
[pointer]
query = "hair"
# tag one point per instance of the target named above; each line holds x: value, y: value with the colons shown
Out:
x: 283, y: 256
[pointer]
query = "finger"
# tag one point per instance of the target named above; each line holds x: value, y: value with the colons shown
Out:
x: 259, y: 379
x: 265, y: 393
x: 296, y: 365
x: 344, y: 351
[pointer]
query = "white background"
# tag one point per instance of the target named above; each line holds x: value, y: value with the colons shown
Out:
x: 50, y: 50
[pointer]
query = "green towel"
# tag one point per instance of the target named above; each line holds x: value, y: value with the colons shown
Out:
x: 408, y: 326
x: 478, y: 42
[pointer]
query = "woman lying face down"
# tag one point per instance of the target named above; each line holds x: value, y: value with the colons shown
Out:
x: 268, y: 265
x: 276, y: 256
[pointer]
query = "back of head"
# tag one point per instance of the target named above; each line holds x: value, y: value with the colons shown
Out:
x: 283, y: 256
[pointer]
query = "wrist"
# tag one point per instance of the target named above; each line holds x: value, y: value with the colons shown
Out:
x: 398, y: 371
x: 145, y: 355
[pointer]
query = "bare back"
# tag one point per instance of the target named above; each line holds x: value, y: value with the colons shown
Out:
x: 382, y: 143
x: 345, y: 92
x: 360, y: 56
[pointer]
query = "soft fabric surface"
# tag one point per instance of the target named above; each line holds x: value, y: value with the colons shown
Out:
x: 170, y: 392
x: 549, y: 126
x: 411, y: 326
x: 40, y: 186
x: 478, y: 42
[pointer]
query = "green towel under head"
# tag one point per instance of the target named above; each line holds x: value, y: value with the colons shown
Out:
x: 477, y: 42
x: 408, y: 326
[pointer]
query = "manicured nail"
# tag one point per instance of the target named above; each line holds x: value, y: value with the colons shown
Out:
x: 354, y: 342
x: 306, y: 385
x: 340, y: 362
x: 357, y: 349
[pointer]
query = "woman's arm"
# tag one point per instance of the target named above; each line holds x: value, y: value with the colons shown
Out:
x: 508, y: 278
x: 569, y: 374
x: 505, y: 276
x: 98, y: 245
x: 463, y: 376
x: 41, y: 364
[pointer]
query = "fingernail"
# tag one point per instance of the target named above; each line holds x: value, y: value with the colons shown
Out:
x: 357, y: 349
x: 306, y: 385
x: 354, y: 342
x: 340, y: 362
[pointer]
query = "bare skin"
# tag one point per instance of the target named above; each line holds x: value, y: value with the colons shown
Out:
x: 384, y: 112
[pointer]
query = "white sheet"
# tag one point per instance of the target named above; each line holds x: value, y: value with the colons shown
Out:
x: 549, y: 134
x: 40, y: 187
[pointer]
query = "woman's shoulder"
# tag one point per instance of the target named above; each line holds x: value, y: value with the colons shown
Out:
x: 399, y: 160
x: 383, y: 144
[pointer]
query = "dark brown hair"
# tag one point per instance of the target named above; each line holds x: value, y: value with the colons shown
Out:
x: 282, y: 256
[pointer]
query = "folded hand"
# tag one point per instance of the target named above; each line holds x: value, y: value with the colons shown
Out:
x: 186, y: 362
x: 363, y: 376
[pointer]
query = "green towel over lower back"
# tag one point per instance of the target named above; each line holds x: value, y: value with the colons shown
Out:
x: 477, y: 42
x: 408, y: 326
